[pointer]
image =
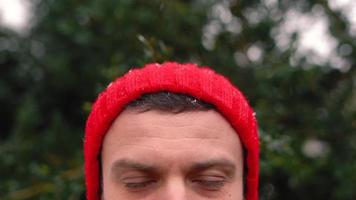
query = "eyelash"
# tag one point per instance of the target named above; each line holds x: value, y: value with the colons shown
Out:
x: 210, y: 185
x: 139, y: 185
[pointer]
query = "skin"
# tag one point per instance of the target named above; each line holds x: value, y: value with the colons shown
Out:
x: 156, y: 155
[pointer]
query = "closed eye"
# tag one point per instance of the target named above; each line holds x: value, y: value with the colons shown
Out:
x: 210, y: 183
x: 138, y: 183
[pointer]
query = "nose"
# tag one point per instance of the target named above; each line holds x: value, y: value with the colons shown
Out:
x: 174, y: 189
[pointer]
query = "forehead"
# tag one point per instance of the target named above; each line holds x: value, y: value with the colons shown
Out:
x: 171, y: 137
x: 193, y: 124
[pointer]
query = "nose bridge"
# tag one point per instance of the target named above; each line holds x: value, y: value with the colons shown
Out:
x: 175, y: 189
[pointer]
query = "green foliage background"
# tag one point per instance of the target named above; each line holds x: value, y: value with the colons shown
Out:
x: 50, y: 76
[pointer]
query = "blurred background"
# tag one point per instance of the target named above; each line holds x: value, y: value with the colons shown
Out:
x: 294, y: 60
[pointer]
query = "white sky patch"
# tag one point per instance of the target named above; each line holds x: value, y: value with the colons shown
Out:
x: 255, y: 15
x: 314, y: 148
x: 348, y: 9
x: 255, y: 53
x: 315, y: 39
x: 220, y: 19
x: 15, y: 14
x: 315, y: 42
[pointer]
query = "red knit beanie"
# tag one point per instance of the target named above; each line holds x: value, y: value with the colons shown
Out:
x: 199, y: 82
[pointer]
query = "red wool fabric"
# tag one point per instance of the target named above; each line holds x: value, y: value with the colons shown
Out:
x: 199, y: 82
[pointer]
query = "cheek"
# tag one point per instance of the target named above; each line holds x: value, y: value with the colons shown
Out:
x: 110, y: 191
x: 235, y: 191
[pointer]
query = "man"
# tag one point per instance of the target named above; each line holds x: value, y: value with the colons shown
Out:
x: 171, y: 131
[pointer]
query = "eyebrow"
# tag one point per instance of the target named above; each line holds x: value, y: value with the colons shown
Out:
x: 226, y: 165
x: 121, y: 164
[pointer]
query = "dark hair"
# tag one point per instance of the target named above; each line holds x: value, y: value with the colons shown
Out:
x: 168, y: 102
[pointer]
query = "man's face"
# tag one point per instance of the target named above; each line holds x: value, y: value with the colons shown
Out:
x: 157, y: 155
